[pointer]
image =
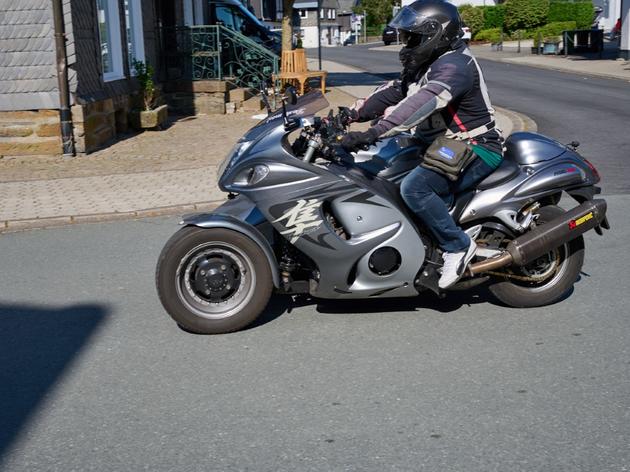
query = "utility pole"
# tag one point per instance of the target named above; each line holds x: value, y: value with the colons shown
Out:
x: 364, y: 26
x: 319, y: 33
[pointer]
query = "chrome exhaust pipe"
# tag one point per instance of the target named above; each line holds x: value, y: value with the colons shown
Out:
x: 544, y: 238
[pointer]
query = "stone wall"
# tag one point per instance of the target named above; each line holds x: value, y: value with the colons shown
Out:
x: 207, y: 97
x: 30, y: 133
x: 99, y: 122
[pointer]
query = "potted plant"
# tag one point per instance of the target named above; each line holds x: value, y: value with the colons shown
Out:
x: 147, y: 116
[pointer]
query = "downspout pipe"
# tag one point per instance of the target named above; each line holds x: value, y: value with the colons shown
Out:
x: 67, y: 136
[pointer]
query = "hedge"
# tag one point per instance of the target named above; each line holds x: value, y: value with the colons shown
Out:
x: 492, y: 35
x: 472, y: 16
x: 580, y: 12
x: 525, y: 14
x: 493, y: 16
x: 551, y: 30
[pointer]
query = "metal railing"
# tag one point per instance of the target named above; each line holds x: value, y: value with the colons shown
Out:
x: 215, y: 52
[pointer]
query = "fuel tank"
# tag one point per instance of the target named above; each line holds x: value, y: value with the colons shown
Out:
x: 391, y: 158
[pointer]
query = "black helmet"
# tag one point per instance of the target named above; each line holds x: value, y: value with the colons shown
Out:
x: 427, y: 28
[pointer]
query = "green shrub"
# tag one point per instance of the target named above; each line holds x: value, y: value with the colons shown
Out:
x: 472, y: 16
x: 525, y: 14
x: 492, y: 35
x: 552, y: 30
x: 580, y: 12
x: 493, y: 16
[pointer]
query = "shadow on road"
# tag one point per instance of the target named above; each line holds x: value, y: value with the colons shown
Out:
x: 37, y: 345
x: 425, y: 301
x: 281, y: 304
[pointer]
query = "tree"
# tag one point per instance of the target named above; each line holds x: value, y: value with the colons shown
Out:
x: 287, y: 25
x: 378, y: 12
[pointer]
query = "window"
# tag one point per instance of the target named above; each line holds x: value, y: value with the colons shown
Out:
x: 109, y: 33
x: 330, y: 13
x: 135, y: 37
x: 334, y: 13
x: 303, y: 14
x: 321, y: 14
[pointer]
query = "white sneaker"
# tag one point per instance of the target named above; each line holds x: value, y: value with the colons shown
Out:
x: 455, y: 264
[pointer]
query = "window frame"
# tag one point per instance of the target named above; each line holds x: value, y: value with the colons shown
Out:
x: 303, y: 14
x: 137, y: 33
x: 114, y: 45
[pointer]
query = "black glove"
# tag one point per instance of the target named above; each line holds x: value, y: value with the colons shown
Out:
x: 348, y: 115
x: 355, y: 140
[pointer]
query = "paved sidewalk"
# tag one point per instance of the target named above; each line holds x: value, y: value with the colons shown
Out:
x: 152, y: 173
x: 584, y: 65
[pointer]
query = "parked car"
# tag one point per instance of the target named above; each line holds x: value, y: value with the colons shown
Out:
x: 234, y: 15
x: 390, y: 35
x: 351, y: 39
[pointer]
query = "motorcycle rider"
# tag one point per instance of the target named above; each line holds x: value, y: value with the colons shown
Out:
x: 441, y: 93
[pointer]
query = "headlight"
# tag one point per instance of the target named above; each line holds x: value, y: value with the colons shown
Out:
x: 251, y: 176
x: 238, y: 149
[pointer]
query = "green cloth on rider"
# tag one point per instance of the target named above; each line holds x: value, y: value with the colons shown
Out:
x: 493, y: 159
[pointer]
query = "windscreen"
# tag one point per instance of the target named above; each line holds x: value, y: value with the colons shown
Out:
x: 307, y: 105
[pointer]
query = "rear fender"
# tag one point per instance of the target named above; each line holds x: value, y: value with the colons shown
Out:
x: 228, y: 221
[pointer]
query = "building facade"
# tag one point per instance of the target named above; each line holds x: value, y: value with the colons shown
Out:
x: 305, y: 19
x: 102, y: 39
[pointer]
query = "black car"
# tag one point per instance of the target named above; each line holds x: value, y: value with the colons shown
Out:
x: 389, y: 35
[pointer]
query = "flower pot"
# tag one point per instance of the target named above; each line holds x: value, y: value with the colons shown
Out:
x: 147, y: 119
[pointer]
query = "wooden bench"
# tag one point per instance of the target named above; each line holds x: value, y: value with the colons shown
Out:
x: 293, y: 68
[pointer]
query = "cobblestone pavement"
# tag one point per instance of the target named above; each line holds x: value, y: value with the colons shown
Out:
x: 147, y: 174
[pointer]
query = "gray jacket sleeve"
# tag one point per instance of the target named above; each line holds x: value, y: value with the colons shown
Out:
x: 375, y: 104
x: 445, y: 81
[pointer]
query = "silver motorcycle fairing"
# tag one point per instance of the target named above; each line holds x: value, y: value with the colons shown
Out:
x: 535, y: 181
x: 300, y: 212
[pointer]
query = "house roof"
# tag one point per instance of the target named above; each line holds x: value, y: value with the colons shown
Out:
x: 345, y: 6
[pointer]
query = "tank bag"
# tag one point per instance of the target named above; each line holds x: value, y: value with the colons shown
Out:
x: 447, y: 156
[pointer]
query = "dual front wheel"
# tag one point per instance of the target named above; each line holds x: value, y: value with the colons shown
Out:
x: 213, y: 280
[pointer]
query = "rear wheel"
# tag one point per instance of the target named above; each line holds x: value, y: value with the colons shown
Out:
x: 544, y: 281
x: 213, y: 280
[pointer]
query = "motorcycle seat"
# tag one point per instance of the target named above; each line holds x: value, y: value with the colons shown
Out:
x: 501, y: 174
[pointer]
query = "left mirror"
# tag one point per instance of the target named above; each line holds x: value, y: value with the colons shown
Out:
x: 290, y: 94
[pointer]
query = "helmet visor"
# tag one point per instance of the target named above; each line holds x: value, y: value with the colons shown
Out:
x: 410, y: 21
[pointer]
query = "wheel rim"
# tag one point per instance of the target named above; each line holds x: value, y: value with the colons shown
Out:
x: 549, y: 268
x: 215, y: 280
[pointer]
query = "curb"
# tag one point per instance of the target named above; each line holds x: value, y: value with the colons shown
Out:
x: 520, y: 122
x: 597, y: 75
x: 14, y: 226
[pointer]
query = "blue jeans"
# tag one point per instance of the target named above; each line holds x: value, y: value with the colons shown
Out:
x: 429, y: 194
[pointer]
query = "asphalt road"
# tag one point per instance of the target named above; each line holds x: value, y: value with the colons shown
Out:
x: 566, y: 107
x: 95, y: 376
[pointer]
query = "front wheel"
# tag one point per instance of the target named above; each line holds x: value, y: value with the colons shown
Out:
x: 213, y: 280
x: 547, y: 279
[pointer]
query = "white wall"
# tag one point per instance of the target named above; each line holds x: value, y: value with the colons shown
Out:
x: 610, y: 14
x: 625, y: 30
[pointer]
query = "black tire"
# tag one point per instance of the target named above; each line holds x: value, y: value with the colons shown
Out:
x: 387, y: 43
x: 569, y: 259
x: 233, y: 296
